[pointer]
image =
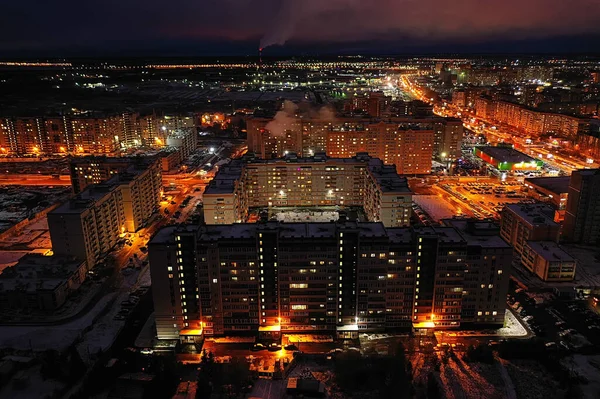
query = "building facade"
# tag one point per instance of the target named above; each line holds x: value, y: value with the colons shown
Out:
x: 334, y: 278
x: 582, y: 216
x: 529, y: 222
x: 87, y: 134
x: 185, y: 140
x: 533, y: 122
x: 305, y: 182
x: 89, y: 225
x: 410, y: 142
x: 548, y: 261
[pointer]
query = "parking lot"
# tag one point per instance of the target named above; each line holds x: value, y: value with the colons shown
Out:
x: 486, y: 199
x: 565, y: 324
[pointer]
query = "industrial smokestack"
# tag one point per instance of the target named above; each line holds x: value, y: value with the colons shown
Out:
x: 260, y: 55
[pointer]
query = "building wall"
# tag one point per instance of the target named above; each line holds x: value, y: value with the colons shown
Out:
x: 320, y: 183
x: 517, y: 231
x: 531, y: 121
x: 249, y: 278
x: 89, y: 225
x: 409, y: 143
x: 548, y: 270
x: 87, y: 134
x: 582, y: 216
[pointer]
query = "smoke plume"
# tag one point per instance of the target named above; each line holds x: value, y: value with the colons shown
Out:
x: 283, y: 120
x: 289, y: 117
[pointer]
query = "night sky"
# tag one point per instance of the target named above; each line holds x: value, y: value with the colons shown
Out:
x: 236, y: 27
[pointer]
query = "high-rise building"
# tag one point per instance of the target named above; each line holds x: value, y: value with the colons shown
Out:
x: 408, y: 142
x: 185, y: 140
x: 308, y: 182
x: 528, y: 222
x: 88, y: 134
x: 95, y: 169
x: 334, y: 278
x: 89, y: 225
x: 582, y: 217
x: 533, y: 122
x: 408, y: 146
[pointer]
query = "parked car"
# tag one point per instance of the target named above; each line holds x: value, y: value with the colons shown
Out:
x: 258, y: 347
x: 274, y: 347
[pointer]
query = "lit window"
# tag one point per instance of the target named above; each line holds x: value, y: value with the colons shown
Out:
x: 298, y: 286
x: 298, y: 307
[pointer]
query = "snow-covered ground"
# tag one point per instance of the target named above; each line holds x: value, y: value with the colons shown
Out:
x: 59, y: 337
x: 512, y: 327
x: 435, y: 206
x: 29, y: 383
x: 312, y: 216
x: 104, y: 331
x: 94, y: 330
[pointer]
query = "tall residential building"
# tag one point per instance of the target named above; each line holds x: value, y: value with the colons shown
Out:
x: 329, y: 278
x: 87, y: 134
x: 89, y: 225
x: 94, y: 170
x: 308, y: 182
x: 185, y: 140
x: 408, y: 146
x: 528, y: 222
x: 409, y: 142
x: 528, y: 120
x: 582, y: 217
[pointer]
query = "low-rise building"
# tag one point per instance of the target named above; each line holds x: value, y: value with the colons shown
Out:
x: 552, y: 190
x: 548, y: 261
x: 40, y: 282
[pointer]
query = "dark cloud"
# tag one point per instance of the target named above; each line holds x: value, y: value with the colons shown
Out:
x: 41, y: 24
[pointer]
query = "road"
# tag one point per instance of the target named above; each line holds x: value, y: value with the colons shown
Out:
x: 15, y: 179
x: 501, y: 134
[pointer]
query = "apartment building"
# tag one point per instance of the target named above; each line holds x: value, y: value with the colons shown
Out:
x: 548, y: 261
x: 333, y: 278
x: 528, y: 222
x: 408, y: 142
x: 533, y: 122
x: 185, y: 140
x: 89, y: 225
x: 582, y: 216
x: 408, y: 146
x: 87, y: 134
x: 305, y: 182
x: 97, y: 169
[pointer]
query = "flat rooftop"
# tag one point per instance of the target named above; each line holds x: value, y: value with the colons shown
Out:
x: 550, y: 251
x: 506, y: 154
x: 85, y: 199
x: 386, y: 176
x: 35, y: 272
x: 558, y: 185
x: 478, y: 233
x: 534, y: 214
